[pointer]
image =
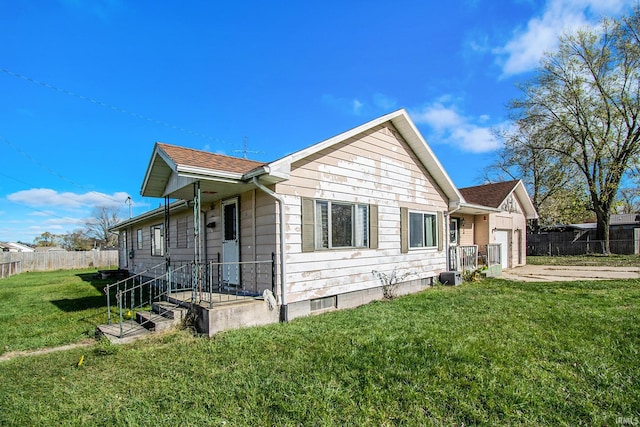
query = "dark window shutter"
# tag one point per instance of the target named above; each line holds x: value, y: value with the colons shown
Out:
x: 373, y: 226
x: 308, y: 226
x: 404, y: 230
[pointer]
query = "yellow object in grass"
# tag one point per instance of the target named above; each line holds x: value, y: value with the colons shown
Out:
x: 81, y: 361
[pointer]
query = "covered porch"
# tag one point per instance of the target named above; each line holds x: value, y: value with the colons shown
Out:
x: 469, y: 246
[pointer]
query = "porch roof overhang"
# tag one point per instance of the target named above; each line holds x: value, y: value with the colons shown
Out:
x: 166, y: 177
x: 473, y: 209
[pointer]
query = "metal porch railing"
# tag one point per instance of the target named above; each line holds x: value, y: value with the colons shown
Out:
x: 206, y: 283
x: 214, y: 282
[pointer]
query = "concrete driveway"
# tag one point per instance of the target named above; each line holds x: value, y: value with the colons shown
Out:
x: 556, y: 273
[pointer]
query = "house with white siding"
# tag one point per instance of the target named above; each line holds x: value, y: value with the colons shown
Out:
x: 502, y: 224
x: 328, y: 227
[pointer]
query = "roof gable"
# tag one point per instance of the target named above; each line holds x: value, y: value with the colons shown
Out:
x: 407, y: 129
x: 494, y: 195
x: 491, y: 195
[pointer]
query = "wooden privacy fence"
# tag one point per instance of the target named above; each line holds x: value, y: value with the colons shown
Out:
x: 17, y: 262
x: 623, y: 242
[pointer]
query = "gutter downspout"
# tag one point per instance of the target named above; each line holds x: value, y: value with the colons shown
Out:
x: 283, y: 298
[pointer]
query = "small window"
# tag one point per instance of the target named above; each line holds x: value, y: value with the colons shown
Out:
x: 323, y: 303
x: 423, y: 230
x: 157, y: 240
x: 139, y: 238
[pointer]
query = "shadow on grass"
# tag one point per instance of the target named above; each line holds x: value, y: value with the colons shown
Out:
x: 79, y: 304
x: 71, y: 305
x: 96, y: 281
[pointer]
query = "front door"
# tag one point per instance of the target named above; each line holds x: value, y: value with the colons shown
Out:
x: 230, y: 243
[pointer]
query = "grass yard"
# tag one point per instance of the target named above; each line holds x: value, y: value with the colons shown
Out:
x: 46, y: 309
x: 612, y: 260
x: 487, y: 353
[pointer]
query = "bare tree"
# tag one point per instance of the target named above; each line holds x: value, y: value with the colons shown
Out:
x: 586, y: 96
x: 98, y: 227
x: 551, y: 180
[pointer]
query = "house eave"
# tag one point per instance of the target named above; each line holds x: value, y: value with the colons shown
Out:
x: 473, y: 209
x: 146, y: 216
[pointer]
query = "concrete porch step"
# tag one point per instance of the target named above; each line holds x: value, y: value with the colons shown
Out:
x: 131, y: 331
x: 170, y: 310
x: 154, y: 321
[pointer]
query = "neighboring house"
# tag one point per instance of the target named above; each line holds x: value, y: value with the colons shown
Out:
x: 49, y: 249
x: 505, y: 223
x: 329, y: 226
x: 14, y: 247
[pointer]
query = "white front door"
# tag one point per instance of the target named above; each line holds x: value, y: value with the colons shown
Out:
x: 230, y: 243
x: 502, y: 237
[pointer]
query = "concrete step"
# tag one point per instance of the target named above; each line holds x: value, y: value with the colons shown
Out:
x: 154, y: 321
x: 131, y: 331
x: 170, y: 310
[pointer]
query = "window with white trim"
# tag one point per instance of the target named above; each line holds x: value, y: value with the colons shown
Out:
x: 423, y: 230
x: 334, y: 224
x: 157, y: 240
x: 341, y: 225
x: 139, y: 240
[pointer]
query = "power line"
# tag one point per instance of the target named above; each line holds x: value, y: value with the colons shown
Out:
x: 110, y: 106
x: 52, y: 172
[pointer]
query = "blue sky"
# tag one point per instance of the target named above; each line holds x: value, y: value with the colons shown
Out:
x: 87, y: 87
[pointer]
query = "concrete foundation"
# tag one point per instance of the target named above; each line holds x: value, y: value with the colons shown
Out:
x: 255, y: 312
x: 358, y: 298
x: 234, y: 315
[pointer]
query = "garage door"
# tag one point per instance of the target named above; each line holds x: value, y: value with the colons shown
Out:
x: 502, y: 237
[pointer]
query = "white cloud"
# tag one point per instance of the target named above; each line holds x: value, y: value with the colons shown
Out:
x: 378, y: 103
x: 527, y: 46
x: 47, y: 197
x: 357, y: 106
x: 384, y: 102
x: 438, y: 117
x: 450, y: 127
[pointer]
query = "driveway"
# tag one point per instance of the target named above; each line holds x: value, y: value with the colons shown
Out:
x: 556, y: 273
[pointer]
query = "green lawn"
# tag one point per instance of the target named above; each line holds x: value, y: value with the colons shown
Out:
x: 487, y: 353
x: 46, y: 309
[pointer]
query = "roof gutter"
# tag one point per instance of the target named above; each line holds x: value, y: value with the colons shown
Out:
x: 283, y: 296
